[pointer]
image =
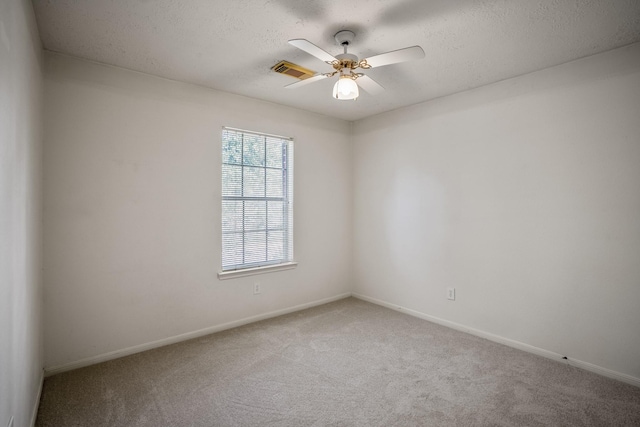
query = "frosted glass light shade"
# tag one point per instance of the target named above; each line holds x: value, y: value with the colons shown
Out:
x: 345, y: 88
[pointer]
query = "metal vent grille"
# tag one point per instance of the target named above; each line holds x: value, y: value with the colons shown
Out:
x: 293, y: 70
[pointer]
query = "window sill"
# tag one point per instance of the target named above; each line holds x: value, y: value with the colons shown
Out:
x: 223, y: 275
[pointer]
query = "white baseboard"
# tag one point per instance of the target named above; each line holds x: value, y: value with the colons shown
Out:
x: 506, y: 341
x: 183, y: 337
x: 36, y: 404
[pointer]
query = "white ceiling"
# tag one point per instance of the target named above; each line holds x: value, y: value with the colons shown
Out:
x: 231, y: 45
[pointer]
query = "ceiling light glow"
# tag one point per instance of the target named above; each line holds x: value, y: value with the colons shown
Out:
x: 345, y: 88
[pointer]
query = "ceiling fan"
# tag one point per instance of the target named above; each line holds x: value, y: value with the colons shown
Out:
x: 346, y: 65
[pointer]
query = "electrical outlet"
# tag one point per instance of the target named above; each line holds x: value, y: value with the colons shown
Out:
x: 256, y: 288
x: 451, y: 293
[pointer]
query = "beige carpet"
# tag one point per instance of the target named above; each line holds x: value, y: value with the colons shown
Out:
x: 348, y: 363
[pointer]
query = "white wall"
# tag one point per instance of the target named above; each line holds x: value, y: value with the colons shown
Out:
x: 20, y: 243
x: 132, y: 209
x: 524, y: 196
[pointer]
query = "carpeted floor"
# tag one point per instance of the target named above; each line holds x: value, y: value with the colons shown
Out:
x: 348, y: 363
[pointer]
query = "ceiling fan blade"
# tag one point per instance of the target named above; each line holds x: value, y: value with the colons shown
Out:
x: 369, y: 85
x: 395, y: 56
x: 306, y: 81
x: 312, y: 49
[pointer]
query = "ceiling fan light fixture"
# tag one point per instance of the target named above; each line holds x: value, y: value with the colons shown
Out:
x: 346, y: 88
x: 347, y: 64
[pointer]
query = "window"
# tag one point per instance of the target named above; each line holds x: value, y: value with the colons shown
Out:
x: 257, y: 200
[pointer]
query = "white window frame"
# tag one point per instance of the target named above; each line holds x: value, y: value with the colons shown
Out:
x: 265, y: 265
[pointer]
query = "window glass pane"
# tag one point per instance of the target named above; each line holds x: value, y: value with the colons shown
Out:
x: 275, y: 215
x: 232, y: 216
x: 274, y: 153
x: 255, y: 247
x: 253, y: 150
x: 232, y: 179
x: 232, y: 147
x: 274, y: 183
x: 253, y: 182
x: 275, y: 247
x: 232, y: 245
x: 255, y: 216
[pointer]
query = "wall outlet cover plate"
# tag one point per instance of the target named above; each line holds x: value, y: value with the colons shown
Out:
x: 451, y: 293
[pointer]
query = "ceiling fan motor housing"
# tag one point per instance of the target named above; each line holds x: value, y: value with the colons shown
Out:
x: 346, y: 61
x: 344, y: 57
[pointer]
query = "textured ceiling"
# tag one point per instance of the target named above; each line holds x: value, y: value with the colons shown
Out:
x: 231, y: 45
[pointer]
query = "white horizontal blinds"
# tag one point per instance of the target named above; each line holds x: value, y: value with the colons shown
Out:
x: 257, y: 199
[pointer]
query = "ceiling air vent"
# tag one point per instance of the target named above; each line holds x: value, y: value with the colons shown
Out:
x: 293, y: 70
